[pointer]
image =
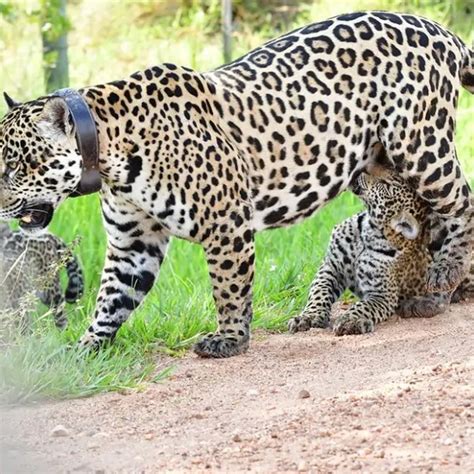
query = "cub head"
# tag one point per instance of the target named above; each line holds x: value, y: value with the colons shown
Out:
x: 40, y: 164
x: 392, y: 204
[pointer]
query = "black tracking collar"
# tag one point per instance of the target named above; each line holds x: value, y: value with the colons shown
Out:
x: 87, y: 141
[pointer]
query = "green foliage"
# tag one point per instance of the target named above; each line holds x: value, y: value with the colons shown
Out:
x: 53, y: 20
x: 7, y: 11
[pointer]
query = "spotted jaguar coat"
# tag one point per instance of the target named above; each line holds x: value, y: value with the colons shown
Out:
x: 382, y: 255
x: 259, y: 143
x: 30, y: 270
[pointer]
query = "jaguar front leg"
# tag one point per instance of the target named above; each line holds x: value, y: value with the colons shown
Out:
x: 380, y: 295
x: 135, y: 251
x: 326, y: 288
x: 230, y: 256
x: 331, y: 280
x: 362, y: 316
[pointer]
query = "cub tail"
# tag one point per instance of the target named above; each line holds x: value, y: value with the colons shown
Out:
x: 75, y: 286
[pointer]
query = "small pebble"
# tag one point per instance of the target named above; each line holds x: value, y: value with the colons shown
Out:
x: 59, y: 431
x: 304, y: 394
x: 302, y: 466
x: 236, y: 438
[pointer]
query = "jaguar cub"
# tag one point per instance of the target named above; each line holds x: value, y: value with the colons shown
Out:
x: 382, y: 255
x: 30, y: 268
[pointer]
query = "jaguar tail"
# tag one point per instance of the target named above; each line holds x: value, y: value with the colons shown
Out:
x: 467, y: 71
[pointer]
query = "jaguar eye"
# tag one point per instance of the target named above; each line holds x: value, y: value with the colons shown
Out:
x: 10, y: 169
x: 12, y: 165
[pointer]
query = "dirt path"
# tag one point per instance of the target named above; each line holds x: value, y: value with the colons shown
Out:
x: 397, y: 400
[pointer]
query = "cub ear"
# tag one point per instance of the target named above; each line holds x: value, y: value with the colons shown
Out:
x: 9, y: 101
x: 55, y: 118
x: 404, y: 223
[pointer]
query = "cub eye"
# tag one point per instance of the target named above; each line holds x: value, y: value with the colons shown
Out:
x: 384, y: 190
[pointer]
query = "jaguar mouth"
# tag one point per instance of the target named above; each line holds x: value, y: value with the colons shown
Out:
x: 37, y: 217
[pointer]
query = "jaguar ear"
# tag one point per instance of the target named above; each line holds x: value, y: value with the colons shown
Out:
x: 55, y: 118
x: 10, y: 102
x: 404, y: 223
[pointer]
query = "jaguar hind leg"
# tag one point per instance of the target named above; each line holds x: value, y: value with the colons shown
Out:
x: 422, y: 150
x: 230, y: 256
x: 452, y: 245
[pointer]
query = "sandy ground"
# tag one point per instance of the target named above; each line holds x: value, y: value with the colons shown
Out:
x: 398, y: 400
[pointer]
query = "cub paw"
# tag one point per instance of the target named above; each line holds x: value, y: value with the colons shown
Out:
x: 352, y: 324
x: 444, y: 276
x: 219, y: 346
x: 299, y: 323
x: 420, y: 307
x: 304, y: 323
x: 464, y: 291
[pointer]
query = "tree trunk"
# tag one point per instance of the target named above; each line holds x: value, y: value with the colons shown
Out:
x: 55, y: 54
x: 227, y: 29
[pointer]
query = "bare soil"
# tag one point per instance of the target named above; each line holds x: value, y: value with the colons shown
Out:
x: 398, y: 400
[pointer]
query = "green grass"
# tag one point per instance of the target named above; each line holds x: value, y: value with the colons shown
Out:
x: 180, y: 306
x: 177, y: 310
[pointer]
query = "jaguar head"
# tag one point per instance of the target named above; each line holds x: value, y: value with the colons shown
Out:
x: 391, y: 203
x: 40, y: 164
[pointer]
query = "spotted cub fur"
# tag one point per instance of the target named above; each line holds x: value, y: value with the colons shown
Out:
x: 382, y: 255
x: 29, y: 270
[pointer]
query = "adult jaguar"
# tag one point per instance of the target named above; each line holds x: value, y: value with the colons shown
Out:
x: 259, y: 143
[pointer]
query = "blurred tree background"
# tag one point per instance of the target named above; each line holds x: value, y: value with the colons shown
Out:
x: 112, y: 38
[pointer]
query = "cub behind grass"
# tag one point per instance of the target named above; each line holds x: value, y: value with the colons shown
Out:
x: 382, y: 255
x: 30, y: 270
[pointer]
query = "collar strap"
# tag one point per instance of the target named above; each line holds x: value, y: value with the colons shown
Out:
x: 87, y: 141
